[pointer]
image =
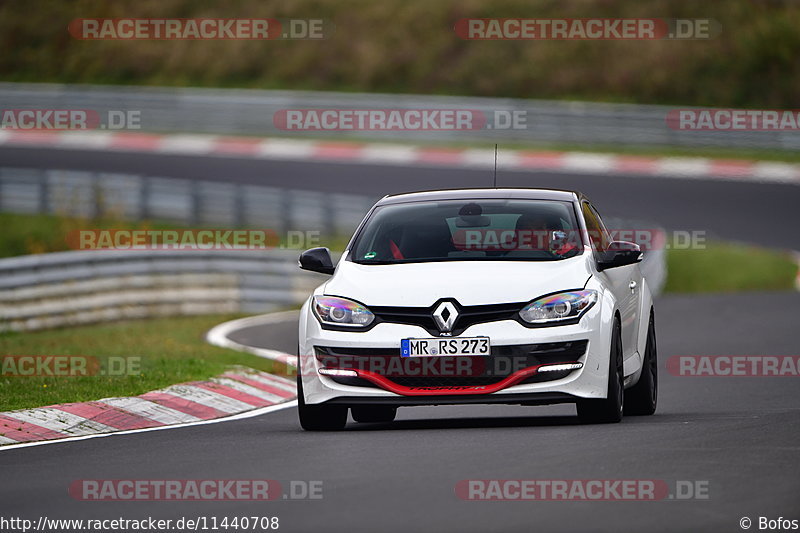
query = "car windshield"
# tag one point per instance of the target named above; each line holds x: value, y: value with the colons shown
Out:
x: 468, y: 230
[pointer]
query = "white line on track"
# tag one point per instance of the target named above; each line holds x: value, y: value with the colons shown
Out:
x: 219, y: 335
x: 207, y: 398
x: 150, y: 410
x: 388, y: 153
x: 58, y: 420
x: 274, y: 381
x: 187, y: 144
x: 240, y: 416
x: 248, y: 389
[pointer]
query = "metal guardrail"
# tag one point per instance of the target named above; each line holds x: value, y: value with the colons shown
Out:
x: 79, y: 287
x: 71, y: 288
x: 250, y: 112
x: 224, y: 204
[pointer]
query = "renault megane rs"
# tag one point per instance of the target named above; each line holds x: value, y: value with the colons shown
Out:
x: 514, y: 296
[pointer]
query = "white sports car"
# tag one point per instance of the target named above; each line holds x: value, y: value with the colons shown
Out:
x: 514, y: 296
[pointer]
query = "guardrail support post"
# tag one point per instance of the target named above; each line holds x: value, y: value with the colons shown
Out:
x: 287, y: 212
x: 96, y: 195
x: 239, y: 214
x: 44, y: 193
x: 144, y: 198
x: 197, y: 203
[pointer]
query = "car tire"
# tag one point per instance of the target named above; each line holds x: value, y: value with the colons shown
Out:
x: 373, y: 413
x: 319, y: 417
x: 642, y: 398
x: 608, y: 410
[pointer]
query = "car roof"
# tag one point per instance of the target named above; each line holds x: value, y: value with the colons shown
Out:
x: 485, y: 193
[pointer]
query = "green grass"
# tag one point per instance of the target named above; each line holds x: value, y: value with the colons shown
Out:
x: 409, y: 46
x: 172, y: 350
x: 25, y: 234
x: 35, y: 234
x: 728, y: 268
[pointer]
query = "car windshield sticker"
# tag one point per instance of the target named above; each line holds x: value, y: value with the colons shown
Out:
x: 370, y: 255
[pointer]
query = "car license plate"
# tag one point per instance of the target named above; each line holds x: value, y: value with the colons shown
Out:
x: 470, y: 346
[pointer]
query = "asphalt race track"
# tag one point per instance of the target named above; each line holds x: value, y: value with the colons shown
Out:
x: 738, y: 436
x: 761, y: 213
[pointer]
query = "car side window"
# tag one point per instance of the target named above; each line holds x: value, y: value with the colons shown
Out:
x: 598, y: 235
x: 604, y: 233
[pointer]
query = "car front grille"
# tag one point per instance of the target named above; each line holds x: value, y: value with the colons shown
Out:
x: 503, y: 361
x: 467, y: 315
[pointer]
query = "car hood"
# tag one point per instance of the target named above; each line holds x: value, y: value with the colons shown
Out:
x: 469, y: 282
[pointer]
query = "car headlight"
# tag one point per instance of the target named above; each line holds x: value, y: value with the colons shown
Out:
x: 334, y: 311
x: 558, y: 307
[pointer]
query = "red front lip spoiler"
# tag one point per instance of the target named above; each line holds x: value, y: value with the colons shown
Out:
x: 512, y: 379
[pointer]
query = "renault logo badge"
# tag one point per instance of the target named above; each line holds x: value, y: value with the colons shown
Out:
x: 445, y: 316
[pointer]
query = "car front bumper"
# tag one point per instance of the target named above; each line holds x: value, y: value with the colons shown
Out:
x: 589, y: 381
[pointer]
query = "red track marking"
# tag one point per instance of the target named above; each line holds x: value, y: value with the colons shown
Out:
x: 136, y: 141
x: 232, y: 393
x: 723, y: 167
x: 236, y: 145
x: 635, y: 164
x: 259, y: 385
x: 183, y: 405
x: 337, y: 150
x: 440, y: 155
x: 108, y: 415
x: 25, y: 431
x: 540, y: 159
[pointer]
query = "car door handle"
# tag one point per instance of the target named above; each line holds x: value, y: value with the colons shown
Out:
x: 632, y: 285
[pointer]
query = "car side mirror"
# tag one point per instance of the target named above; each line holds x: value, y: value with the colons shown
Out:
x: 317, y: 260
x: 619, y: 253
